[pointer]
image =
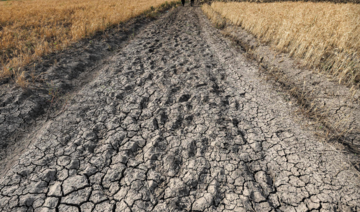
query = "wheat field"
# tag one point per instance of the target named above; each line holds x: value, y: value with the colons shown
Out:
x: 325, y: 35
x: 30, y: 29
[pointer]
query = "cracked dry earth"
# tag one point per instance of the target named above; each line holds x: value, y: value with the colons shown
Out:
x: 178, y: 121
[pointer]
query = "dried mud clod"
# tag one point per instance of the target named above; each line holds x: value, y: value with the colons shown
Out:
x: 178, y: 121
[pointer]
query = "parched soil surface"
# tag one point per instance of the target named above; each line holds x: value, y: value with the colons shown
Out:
x: 54, y: 81
x: 332, y: 109
x: 178, y: 121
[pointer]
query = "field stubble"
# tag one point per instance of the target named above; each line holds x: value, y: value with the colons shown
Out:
x: 32, y: 29
x: 325, y: 35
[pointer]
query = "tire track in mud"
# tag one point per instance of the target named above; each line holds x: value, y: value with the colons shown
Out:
x: 177, y: 121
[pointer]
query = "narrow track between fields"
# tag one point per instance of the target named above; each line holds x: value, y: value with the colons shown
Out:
x: 178, y: 121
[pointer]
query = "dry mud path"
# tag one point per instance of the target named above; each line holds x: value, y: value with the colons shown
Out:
x: 178, y: 121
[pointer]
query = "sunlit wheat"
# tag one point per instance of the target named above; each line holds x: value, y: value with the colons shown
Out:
x: 30, y: 29
x: 325, y: 35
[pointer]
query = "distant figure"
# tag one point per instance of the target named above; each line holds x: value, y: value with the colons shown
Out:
x: 192, y: 2
x: 183, y: 2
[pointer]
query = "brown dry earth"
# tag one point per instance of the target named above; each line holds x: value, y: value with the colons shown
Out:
x: 177, y: 120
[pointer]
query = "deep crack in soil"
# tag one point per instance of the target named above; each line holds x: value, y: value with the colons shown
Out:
x: 178, y: 121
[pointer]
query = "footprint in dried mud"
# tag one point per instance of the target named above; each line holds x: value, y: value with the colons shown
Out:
x: 184, y: 98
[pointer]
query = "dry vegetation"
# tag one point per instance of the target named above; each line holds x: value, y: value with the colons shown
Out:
x: 334, y: 1
x: 31, y: 29
x: 325, y: 35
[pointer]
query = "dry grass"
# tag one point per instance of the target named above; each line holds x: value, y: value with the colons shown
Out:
x: 325, y: 35
x: 31, y: 29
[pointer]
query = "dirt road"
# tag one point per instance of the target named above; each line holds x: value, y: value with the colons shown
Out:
x: 178, y: 121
